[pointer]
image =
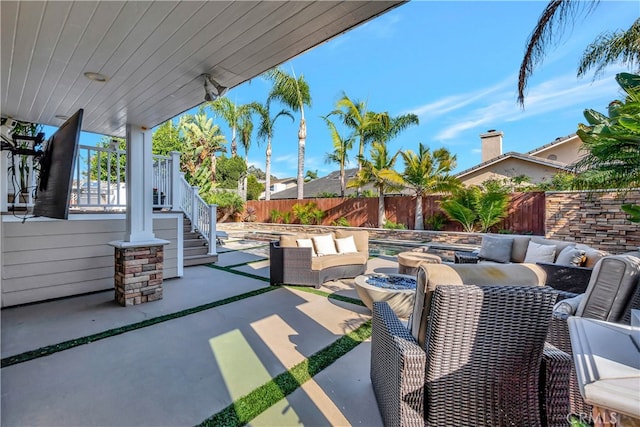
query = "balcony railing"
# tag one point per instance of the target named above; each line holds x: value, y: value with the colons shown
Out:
x: 99, y: 180
x: 99, y: 183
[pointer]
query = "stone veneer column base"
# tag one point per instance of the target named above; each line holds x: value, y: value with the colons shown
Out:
x: 138, y: 271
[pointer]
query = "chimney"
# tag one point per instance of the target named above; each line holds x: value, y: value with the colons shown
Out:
x: 491, y: 144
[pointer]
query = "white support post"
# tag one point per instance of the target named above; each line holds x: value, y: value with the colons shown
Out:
x: 139, y: 218
x: 213, y: 241
x: 194, y: 207
x: 176, y: 195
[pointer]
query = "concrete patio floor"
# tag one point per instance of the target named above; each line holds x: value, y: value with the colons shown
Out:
x: 184, y: 370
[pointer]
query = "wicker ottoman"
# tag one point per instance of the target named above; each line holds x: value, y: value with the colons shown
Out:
x: 408, y: 262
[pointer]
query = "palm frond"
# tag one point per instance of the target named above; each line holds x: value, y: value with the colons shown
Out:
x: 612, y: 47
x: 549, y: 26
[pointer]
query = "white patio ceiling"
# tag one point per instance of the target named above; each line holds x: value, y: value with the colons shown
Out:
x: 152, y: 52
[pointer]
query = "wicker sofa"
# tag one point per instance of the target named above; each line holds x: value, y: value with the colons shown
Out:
x: 568, y: 265
x: 295, y: 265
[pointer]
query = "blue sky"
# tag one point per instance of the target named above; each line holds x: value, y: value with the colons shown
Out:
x: 455, y: 65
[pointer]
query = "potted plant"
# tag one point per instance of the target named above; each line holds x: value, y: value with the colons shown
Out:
x: 23, y: 168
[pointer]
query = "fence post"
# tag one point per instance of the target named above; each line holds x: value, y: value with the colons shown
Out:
x: 176, y: 197
x: 194, y: 207
x: 213, y: 241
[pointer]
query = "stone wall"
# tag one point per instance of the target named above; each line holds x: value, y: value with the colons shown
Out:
x: 593, y: 218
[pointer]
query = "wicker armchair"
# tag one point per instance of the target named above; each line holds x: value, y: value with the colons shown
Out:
x: 613, y: 291
x: 482, y: 364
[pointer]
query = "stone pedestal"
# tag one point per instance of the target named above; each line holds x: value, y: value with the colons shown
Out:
x: 138, y: 271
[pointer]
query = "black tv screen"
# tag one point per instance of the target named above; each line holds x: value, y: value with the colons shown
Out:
x: 56, y: 170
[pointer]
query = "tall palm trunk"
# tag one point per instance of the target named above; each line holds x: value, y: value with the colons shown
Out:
x: 234, y: 144
x: 419, y: 217
x: 302, y: 137
x: 343, y: 185
x: 360, y: 158
x: 245, y: 180
x: 381, y: 211
x: 267, y: 179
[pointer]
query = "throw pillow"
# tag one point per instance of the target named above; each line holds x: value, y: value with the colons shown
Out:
x: 540, y: 253
x: 324, y: 244
x: 346, y: 245
x: 571, y: 256
x: 496, y: 249
x: 307, y: 243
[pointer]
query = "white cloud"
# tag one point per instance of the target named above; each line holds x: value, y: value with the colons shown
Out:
x: 556, y: 94
x: 288, y: 158
x: 456, y: 102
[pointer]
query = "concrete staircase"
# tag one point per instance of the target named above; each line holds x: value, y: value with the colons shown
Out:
x: 195, y: 247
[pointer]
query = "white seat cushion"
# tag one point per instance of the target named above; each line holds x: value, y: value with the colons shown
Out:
x: 346, y: 245
x: 324, y: 244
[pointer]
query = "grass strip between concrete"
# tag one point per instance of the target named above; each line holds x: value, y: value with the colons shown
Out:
x: 248, y: 407
x: 66, y: 345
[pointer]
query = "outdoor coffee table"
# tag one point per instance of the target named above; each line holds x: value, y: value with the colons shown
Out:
x: 398, y: 290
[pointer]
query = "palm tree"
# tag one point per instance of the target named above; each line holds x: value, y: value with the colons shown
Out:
x: 355, y: 116
x: 295, y: 94
x: 607, y: 49
x: 426, y: 172
x: 379, y: 172
x: 203, y: 140
x: 339, y: 155
x: 265, y: 132
x: 385, y: 127
x: 231, y: 113
x: 245, y: 128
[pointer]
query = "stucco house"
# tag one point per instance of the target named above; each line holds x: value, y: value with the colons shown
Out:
x: 132, y: 65
x: 539, y: 164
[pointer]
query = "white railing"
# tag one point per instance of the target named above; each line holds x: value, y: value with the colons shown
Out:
x: 99, y: 182
x: 99, y: 179
x: 201, y: 215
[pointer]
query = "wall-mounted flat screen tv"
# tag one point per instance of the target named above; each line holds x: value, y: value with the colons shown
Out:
x: 56, y: 170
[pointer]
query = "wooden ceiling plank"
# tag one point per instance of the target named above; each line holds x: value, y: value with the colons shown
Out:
x: 79, y: 37
x: 261, y: 40
x: 25, y: 38
x: 41, y: 85
x: 233, y: 33
x: 174, y: 53
x: 122, y: 48
x: 8, y: 23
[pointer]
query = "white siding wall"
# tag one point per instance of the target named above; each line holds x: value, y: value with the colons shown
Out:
x: 45, y: 258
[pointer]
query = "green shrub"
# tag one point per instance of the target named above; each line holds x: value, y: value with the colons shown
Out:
x: 477, y: 209
x: 435, y: 222
x: 390, y: 225
x: 341, y: 222
x: 308, y: 213
x: 287, y: 217
x: 275, y: 216
x: 229, y: 203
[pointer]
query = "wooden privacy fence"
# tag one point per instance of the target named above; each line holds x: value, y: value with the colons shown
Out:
x: 526, y: 212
